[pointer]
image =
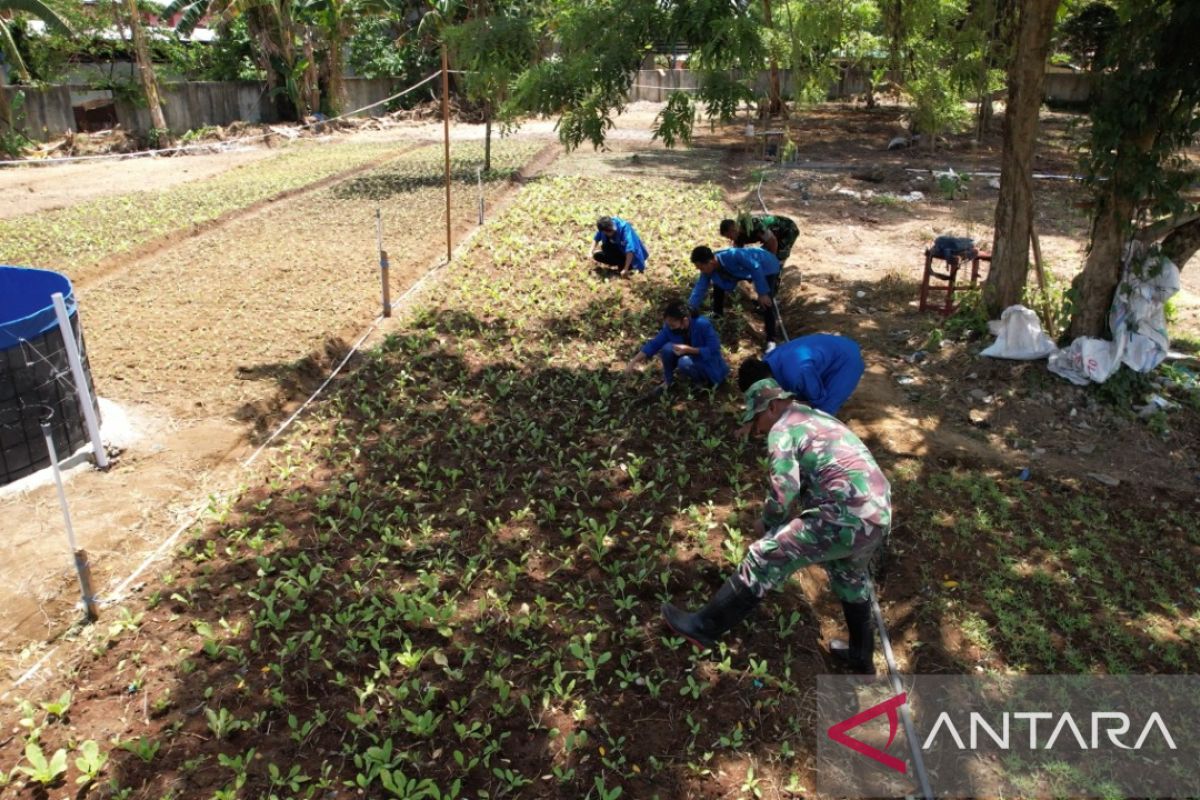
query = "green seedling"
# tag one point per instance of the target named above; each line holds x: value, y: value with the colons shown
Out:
x: 58, y: 708
x: 89, y: 762
x: 40, y: 769
x: 239, y: 765
x: 144, y: 748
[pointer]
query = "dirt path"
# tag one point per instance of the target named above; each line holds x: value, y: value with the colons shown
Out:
x: 28, y: 189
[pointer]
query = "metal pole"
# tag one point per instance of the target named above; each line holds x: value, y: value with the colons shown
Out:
x: 910, y: 732
x: 383, y: 265
x: 89, y: 602
x: 82, y: 393
x: 446, y: 140
x: 479, y: 178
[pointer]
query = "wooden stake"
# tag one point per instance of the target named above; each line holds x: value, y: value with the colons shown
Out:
x: 446, y: 139
x: 1047, y: 310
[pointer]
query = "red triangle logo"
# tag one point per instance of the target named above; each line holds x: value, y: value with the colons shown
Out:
x: 838, y: 732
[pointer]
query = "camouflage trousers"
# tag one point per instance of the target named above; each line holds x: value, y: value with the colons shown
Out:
x: 844, y: 552
x: 786, y: 233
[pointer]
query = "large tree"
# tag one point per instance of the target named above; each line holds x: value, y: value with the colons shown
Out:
x: 1143, y: 115
x: 493, y: 50
x: 275, y: 32
x: 1014, y: 208
x: 159, y: 133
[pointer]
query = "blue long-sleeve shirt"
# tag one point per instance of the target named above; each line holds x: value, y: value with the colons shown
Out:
x: 737, y: 264
x: 822, y: 370
x: 630, y: 242
x: 701, y: 335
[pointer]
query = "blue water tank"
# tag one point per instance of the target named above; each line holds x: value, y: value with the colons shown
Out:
x: 35, y: 376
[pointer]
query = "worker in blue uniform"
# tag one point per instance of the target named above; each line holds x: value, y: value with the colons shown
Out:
x: 723, y: 270
x: 821, y: 370
x: 616, y: 244
x: 688, y: 346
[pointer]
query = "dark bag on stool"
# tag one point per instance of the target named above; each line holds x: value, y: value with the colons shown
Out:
x: 948, y: 247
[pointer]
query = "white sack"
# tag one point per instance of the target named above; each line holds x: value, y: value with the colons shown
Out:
x: 1019, y: 335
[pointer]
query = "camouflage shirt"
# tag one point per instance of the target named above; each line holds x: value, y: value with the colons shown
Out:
x: 820, y: 468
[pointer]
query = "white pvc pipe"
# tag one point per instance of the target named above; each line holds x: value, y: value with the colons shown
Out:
x: 82, y: 392
x: 62, y: 496
x: 77, y: 556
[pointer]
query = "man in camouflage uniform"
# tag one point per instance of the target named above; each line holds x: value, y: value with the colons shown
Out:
x: 774, y: 232
x: 829, y: 504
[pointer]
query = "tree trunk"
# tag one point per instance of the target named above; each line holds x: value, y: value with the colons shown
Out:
x: 6, y: 114
x: 983, y: 119
x: 1010, y: 242
x: 145, y: 67
x: 775, y: 99
x: 1182, y: 243
x: 336, y: 94
x: 1102, y: 270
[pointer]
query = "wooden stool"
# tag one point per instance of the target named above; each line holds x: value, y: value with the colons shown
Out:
x: 770, y: 144
x: 950, y: 276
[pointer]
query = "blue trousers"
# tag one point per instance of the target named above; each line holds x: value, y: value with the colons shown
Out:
x: 683, y: 365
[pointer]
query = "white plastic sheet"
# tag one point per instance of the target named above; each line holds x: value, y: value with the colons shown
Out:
x: 1136, y: 319
x: 1019, y: 336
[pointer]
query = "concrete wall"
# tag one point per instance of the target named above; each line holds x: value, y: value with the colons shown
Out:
x: 365, y: 91
x: 1066, y: 86
x: 655, y: 84
x: 47, y: 112
x: 187, y: 106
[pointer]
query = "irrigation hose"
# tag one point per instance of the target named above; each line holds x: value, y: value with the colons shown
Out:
x: 910, y: 732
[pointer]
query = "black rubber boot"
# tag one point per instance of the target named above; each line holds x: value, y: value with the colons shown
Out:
x: 857, y: 655
x: 731, y: 604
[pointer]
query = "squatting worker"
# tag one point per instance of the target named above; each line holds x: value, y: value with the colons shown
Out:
x: 723, y: 270
x: 774, y: 232
x: 616, y: 244
x: 820, y: 370
x: 829, y: 504
x: 688, y: 346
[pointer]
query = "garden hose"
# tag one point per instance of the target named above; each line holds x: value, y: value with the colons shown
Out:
x: 894, y: 674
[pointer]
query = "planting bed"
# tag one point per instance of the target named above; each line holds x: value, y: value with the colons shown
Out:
x: 228, y: 317
x: 77, y: 239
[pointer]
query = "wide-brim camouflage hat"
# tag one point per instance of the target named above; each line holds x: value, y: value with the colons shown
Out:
x: 760, y: 395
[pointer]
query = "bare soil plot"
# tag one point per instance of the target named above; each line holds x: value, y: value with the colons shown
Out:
x: 212, y: 336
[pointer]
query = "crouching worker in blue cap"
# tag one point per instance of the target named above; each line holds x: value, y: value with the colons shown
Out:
x: 821, y: 370
x: 616, y: 244
x: 688, y: 346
